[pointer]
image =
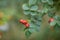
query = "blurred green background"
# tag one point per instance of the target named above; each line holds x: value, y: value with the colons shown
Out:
x: 14, y: 8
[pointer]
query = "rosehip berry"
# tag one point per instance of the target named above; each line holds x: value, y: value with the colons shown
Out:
x: 51, y: 20
x: 20, y: 20
x: 23, y: 21
x: 27, y: 25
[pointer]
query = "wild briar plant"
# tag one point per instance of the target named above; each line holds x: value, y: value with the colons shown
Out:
x: 35, y: 14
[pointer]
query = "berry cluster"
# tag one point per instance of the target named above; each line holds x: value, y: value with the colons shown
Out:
x: 25, y: 23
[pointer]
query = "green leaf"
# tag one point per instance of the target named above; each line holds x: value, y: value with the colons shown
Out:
x: 38, y: 23
x: 25, y: 7
x: 32, y: 2
x: 57, y: 18
x: 47, y: 6
x: 32, y: 30
x: 39, y: 1
x: 58, y: 22
x: 44, y: 1
x: 33, y: 13
x: 40, y: 14
x: 45, y: 10
x: 50, y: 14
x: 34, y: 27
x: 27, y: 12
x: 53, y: 23
x: 57, y: 27
x: 50, y: 2
x: 28, y: 33
x: 34, y: 8
x: 39, y: 18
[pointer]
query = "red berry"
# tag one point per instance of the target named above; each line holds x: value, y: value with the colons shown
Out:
x: 27, y: 25
x: 23, y: 21
x: 51, y: 20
